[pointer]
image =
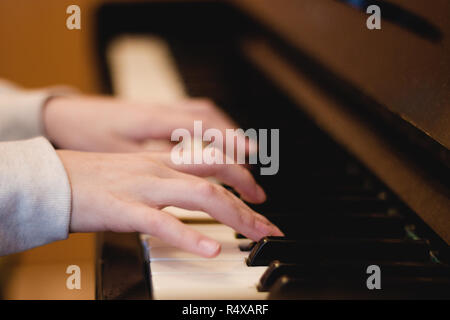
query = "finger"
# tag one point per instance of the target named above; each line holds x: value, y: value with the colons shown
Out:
x: 233, y: 175
x: 166, y: 123
x: 215, y: 118
x: 208, y: 108
x: 160, y: 124
x: 174, y: 232
x: 199, y: 194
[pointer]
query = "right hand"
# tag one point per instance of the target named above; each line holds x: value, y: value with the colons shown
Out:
x: 126, y: 192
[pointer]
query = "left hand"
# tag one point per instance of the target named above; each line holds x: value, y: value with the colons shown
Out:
x: 105, y: 124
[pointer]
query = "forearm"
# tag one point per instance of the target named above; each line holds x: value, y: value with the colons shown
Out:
x: 35, y: 196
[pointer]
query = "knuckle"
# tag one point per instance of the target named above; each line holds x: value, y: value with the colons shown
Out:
x: 155, y: 224
x: 248, y: 220
x: 207, y: 189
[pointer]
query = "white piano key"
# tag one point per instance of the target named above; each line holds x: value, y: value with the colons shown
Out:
x: 213, y: 228
x: 207, y: 286
x: 142, y: 68
x: 176, y: 274
x: 219, y: 232
x: 224, y: 240
x: 191, y: 215
x: 201, y: 266
x: 170, y: 253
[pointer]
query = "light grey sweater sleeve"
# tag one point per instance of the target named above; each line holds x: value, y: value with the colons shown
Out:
x: 21, y: 110
x: 35, y: 194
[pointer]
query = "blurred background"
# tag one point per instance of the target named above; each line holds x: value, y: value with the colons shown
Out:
x: 37, y: 49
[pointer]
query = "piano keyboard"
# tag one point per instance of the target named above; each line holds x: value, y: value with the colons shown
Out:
x: 177, y: 274
x: 142, y: 69
x: 338, y: 219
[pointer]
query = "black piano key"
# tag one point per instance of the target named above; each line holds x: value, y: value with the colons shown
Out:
x: 355, y: 272
x: 348, y: 204
x: 281, y: 200
x: 341, y: 225
x: 269, y: 249
x: 247, y: 246
x: 279, y: 269
x: 391, y: 288
x: 239, y: 235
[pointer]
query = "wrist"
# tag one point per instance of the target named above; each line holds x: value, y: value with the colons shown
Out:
x: 51, y: 115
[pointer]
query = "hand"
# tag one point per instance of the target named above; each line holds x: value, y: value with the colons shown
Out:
x: 126, y: 192
x: 111, y: 125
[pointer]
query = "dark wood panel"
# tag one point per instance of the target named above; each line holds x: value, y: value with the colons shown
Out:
x: 403, y: 71
x: 121, y: 269
x: 424, y: 194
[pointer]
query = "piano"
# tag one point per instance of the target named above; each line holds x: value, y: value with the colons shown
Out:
x: 364, y: 119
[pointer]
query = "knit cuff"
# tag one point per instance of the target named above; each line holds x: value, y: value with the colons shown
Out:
x: 35, y: 195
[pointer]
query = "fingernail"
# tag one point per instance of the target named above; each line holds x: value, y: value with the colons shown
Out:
x: 209, y: 247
